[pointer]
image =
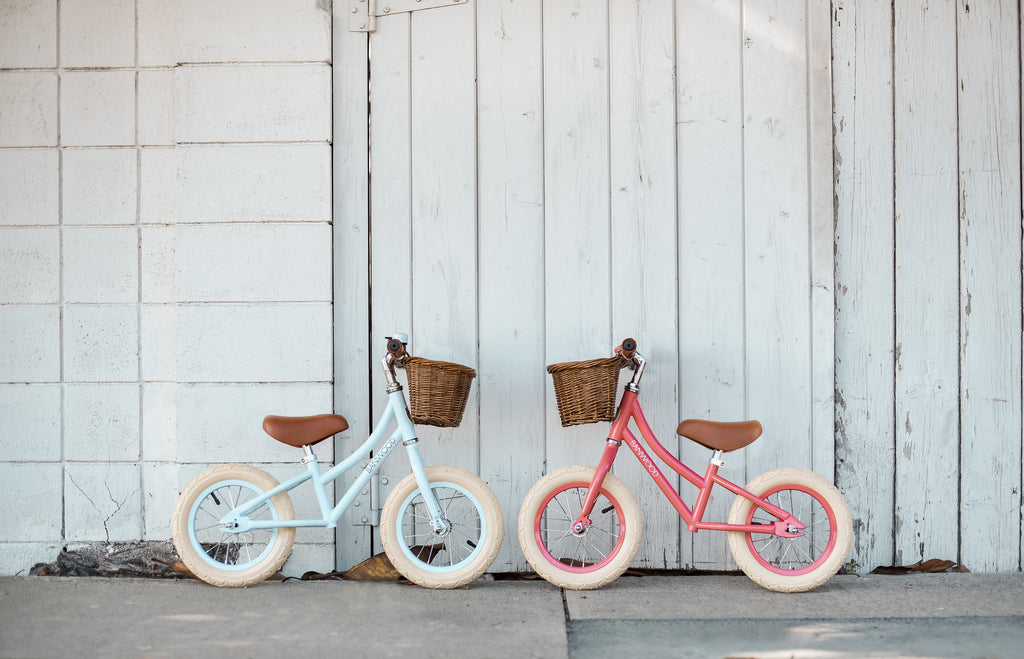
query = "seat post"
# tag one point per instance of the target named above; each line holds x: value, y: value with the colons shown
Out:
x: 716, y: 458
x: 309, y: 459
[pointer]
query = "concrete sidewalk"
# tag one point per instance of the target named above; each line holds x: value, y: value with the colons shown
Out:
x: 921, y: 615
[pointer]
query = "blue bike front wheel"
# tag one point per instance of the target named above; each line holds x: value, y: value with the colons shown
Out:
x: 217, y: 553
x: 446, y: 553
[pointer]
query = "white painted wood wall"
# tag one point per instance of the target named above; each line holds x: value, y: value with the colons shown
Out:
x: 928, y: 309
x: 546, y: 178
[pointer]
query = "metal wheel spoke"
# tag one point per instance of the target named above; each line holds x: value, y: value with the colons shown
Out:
x: 597, y: 550
x: 785, y: 552
x: 565, y: 511
x: 808, y: 559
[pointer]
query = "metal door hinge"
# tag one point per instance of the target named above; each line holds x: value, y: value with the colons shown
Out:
x: 366, y: 508
x: 364, y: 13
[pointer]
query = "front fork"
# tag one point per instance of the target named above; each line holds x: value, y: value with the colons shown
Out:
x: 438, y: 523
x: 603, y: 467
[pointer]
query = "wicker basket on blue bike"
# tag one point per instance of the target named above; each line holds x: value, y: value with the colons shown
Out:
x: 437, y: 391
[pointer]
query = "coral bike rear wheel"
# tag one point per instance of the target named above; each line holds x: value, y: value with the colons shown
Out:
x: 792, y: 565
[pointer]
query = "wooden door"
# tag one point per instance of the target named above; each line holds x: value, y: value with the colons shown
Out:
x: 522, y: 182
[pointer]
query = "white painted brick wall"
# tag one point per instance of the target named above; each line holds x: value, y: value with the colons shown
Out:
x: 268, y: 262
x: 158, y: 203
x: 100, y: 186
x: 29, y: 344
x: 97, y: 108
x: 30, y: 265
x: 225, y: 425
x: 156, y: 107
x: 28, y: 34
x: 254, y: 342
x: 101, y: 422
x: 158, y: 351
x: 101, y: 343
x: 165, y: 257
x: 32, y: 422
x: 101, y: 264
x: 210, y: 31
x: 30, y: 487
x: 28, y: 108
x: 97, y: 34
x: 29, y: 186
x: 263, y: 182
x: 157, y: 32
x: 102, y: 501
x: 253, y: 103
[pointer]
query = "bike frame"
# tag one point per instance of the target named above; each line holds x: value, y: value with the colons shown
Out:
x: 238, y: 521
x: 788, y: 525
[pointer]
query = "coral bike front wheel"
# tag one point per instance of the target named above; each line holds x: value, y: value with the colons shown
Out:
x: 792, y: 565
x: 455, y: 553
x: 579, y: 559
x: 214, y: 552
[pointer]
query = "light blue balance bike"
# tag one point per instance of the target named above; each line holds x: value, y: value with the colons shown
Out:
x: 441, y: 527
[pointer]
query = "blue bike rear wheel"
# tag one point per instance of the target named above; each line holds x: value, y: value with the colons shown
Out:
x: 216, y: 552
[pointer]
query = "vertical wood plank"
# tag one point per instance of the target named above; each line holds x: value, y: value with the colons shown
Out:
x: 822, y: 237
x: 390, y: 190
x: 643, y: 194
x: 775, y: 100
x: 511, y: 224
x: 712, y: 347
x: 576, y: 189
x: 865, y: 365
x: 390, y: 207
x: 351, y: 256
x: 927, y: 290
x: 444, y: 239
x: 990, y: 284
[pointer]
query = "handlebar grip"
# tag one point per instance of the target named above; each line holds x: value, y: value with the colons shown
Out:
x: 627, y: 349
x: 396, y: 348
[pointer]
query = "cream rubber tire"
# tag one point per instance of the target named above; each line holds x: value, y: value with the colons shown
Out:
x: 561, y: 556
x: 468, y: 545
x: 793, y: 565
x: 229, y: 559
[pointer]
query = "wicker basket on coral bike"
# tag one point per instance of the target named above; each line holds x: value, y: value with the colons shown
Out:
x: 437, y: 391
x: 585, y: 391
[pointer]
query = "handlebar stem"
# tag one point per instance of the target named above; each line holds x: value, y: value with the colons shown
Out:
x: 638, y: 362
x: 388, y: 364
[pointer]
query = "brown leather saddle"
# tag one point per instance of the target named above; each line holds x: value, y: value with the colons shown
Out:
x: 302, y: 431
x: 719, y: 436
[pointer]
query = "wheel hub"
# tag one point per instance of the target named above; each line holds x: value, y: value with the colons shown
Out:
x: 581, y: 526
x: 441, y: 527
x: 236, y: 525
